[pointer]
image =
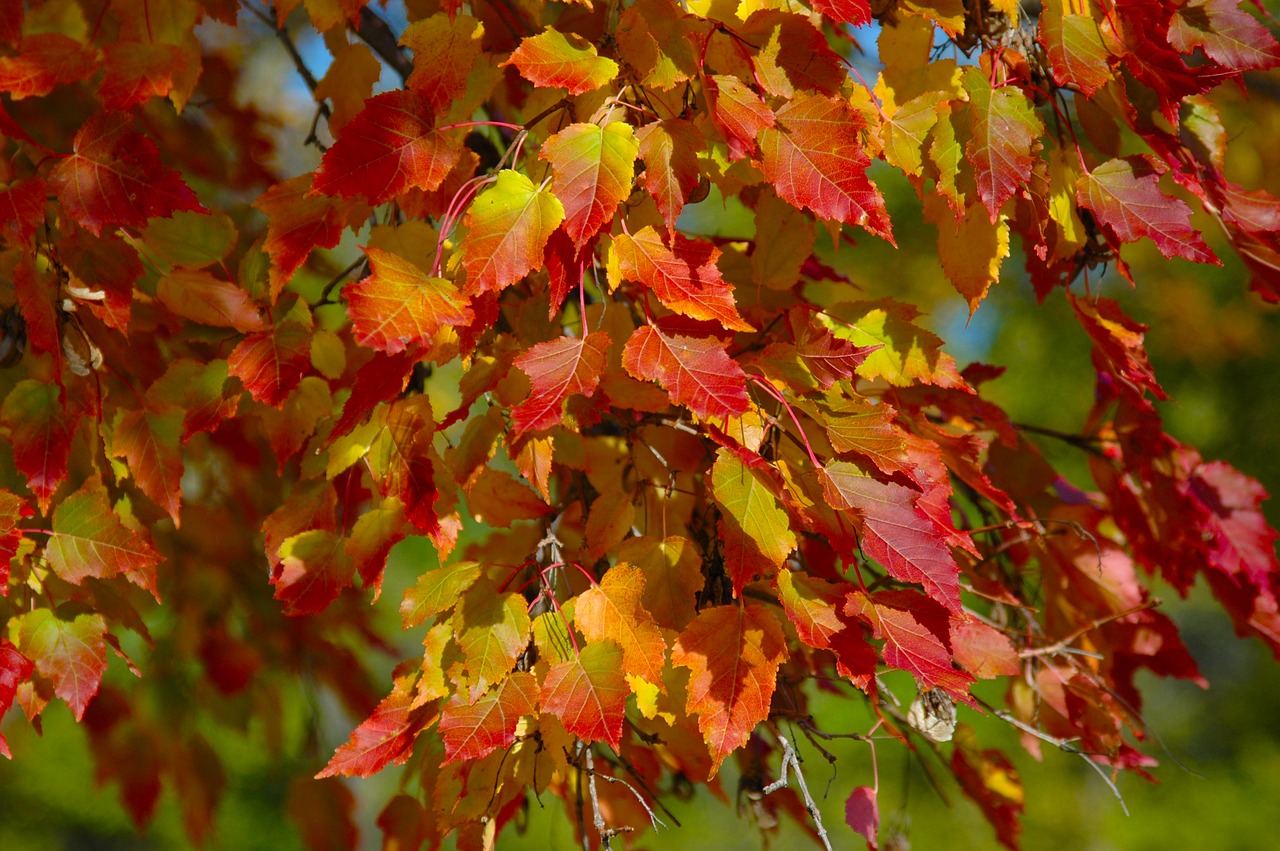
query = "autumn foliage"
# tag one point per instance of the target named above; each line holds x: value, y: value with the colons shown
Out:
x: 675, y: 481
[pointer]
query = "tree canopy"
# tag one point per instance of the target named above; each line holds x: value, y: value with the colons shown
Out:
x: 613, y: 304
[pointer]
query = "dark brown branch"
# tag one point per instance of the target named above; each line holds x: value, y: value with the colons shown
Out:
x: 376, y: 33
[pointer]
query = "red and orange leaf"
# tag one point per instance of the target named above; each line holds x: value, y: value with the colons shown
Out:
x: 593, y: 168
x: 135, y: 72
x: 983, y: 651
x: 199, y: 391
x: 855, y: 424
x: 371, y: 540
x: 1118, y: 343
x: 13, y: 509
x: 384, y: 738
x: 475, y: 730
x: 829, y: 358
x: 893, y: 531
x: 89, y: 540
x: 696, y: 372
x: 41, y: 435
x: 991, y: 779
x: 508, y: 226
x: 672, y: 577
x: 400, y: 460
x: 37, y: 291
x: 115, y: 177
x: 271, y: 363
x: 553, y: 59
x: 313, y: 569
x: 400, y: 305
x: 814, y: 159
x: 22, y: 209
x: 855, y: 12
x: 1124, y: 195
x: 197, y: 295
x: 1005, y: 130
x: 149, y: 444
x: 733, y: 653
x: 437, y: 591
x: 445, y: 49
x: 588, y: 693
x: 43, y: 62
x: 739, y: 112
x: 914, y: 629
x: 1226, y: 33
x: 684, y: 277
x: 15, y: 669
x: 299, y: 221
x: 72, y: 654
x: 1074, y: 46
x: 813, y: 607
x: 612, y: 517
x: 669, y: 150
x: 380, y: 380
x: 613, y: 611
x: 390, y: 147
x: 557, y: 370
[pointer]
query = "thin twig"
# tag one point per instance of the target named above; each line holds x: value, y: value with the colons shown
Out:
x: 602, y: 830
x: 657, y: 822
x: 1064, y: 745
x: 790, y: 758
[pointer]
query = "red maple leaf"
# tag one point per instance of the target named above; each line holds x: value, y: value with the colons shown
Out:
x: 271, y: 363
x: 684, y: 277
x: 557, y: 370
x: 299, y: 221
x: 695, y: 371
x: 588, y: 693
x: 474, y: 730
x: 593, y: 168
x: 385, y: 738
x: 44, y: 61
x: 400, y: 305
x: 916, y: 635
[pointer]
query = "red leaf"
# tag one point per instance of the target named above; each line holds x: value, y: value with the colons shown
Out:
x: 557, y: 370
x: 894, y: 531
x: 135, y: 72
x: 588, y: 693
x: 115, y: 177
x: 695, y: 371
x: 828, y: 357
x: 400, y: 460
x: 371, y: 540
x: 271, y: 363
x: 70, y: 653
x: 856, y: 12
x: 36, y: 292
x: 299, y: 221
x: 43, y: 61
x: 197, y: 295
x: 612, y: 611
x: 508, y: 226
x: 15, y: 669
x: 149, y: 444
x: 990, y: 779
x: 41, y: 433
x: 13, y: 509
x: 1005, y: 130
x: 1074, y: 46
x: 1125, y: 197
x: 733, y: 653
x: 551, y: 59
x: 855, y: 424
x: 445, y: 50
x: 1118, y: 344
x: 384, y: 738
x: 669, y: 150
x: 739, y: 112
x: 814, y: 159
x: 1226, y: 33
x: 984, y: 651
x: 313, y: 569
x: 472, y: 731
x: 593, y: 168
x: 382, y: 379
x: 863, y: 814
x: 815, y: 608
x: 22, y: 210
x: 399, y: 304
x: 914, y: 629
x: 388, y: 148
x: 684, y: 277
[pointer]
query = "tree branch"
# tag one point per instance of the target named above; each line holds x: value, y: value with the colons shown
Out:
x: 790, y: 758
x: 376, y: 33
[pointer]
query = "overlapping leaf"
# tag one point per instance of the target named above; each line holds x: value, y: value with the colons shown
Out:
x: 72, y: 654
x: 473, y: 730
x: 384, y: 738
x: 557, y: 370
x: 612, y: 611
x: 756, y: 531
x: 1005, y: 129
x: 1124, y: 195
x: 684, y: 276
x: 695, y: 371
x: 588, y: 693
x: 89, y: 540
x: 508, y: 226
x: 593, y: 167
x: 400, y: 305
x: 551, y: 58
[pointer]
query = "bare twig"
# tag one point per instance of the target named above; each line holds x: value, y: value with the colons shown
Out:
x: 789, y: 758
x: 653, y: 818
x: 1064, y: 745
x: 605, y: 833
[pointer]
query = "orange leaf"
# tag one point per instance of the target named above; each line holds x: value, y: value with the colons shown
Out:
x: 89, y: 540
x: 508, y: 226
x: 685, y: 277
x: 271, y: 363
x: 613, y: 611
x: 384, y: 738
x: 400, y: 305
x: 445, y: 49
x: 593, y: 167
x: 695, y: 371
x: 472, y: 731
x: 149, y: 444
x: 588, y: 693
x: 557, y: 370
x: 553, y: 59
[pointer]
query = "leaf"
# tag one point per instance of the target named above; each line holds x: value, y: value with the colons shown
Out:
x: 740, y: 113
x: 893, y: 531
x: 733, y: 653
x: 984, y: 651
x: 445, y: 49
x: 991, y: 779
x: 1226, y: 33
x: 1005, y: 129
x: 472, y: 731
x: 493, y: 630
x: 197, y: 295
x: 558, y: 369
x: 1124, y: 195
x: 390, y: 147
x: 855, y: 12
x: 1118, y: 344
x: 89, y: 540
x: 856, y: 424
x: 400, y: 460
x: 908, y: 353
x: 588, y: 693
x: 508, y: 226
x: 612, y: 611
x: 684, y: 277
x: 756, y: 531
x: 863, y: 814
x: 551, y: 59
x: 905, y: 130
x: 199, y: 391
x: 914, y: 629
x: 72, y: 654
x: 41, y: 435
x: 384, y: 738
x: 371, y: 540
x: 115, y: 178
x: 15, y: 669
x: 271, y: 363
x: 829, y: 358
x: 593, y: 168
x: 814, y: 159
x: 672, y: 577
x: 299, y: 221
x: 815, y: 609
x: 437, y: 591
x: 135, y: 72
x: 695, y: 371
x: 312, y: 571
x: 149, y: 444
x: 971, y: 249
x: 22, y: 209
x: 669, y: 150
x: 1075, y: 48
x: 380, y: 380
x: 43, y: 62
x: 400, y: 305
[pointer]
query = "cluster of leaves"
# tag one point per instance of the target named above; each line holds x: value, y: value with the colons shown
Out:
x: 702, y: 473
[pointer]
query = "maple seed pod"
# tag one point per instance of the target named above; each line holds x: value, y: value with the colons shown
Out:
x: 933, y: 713
x: 13, y: 338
